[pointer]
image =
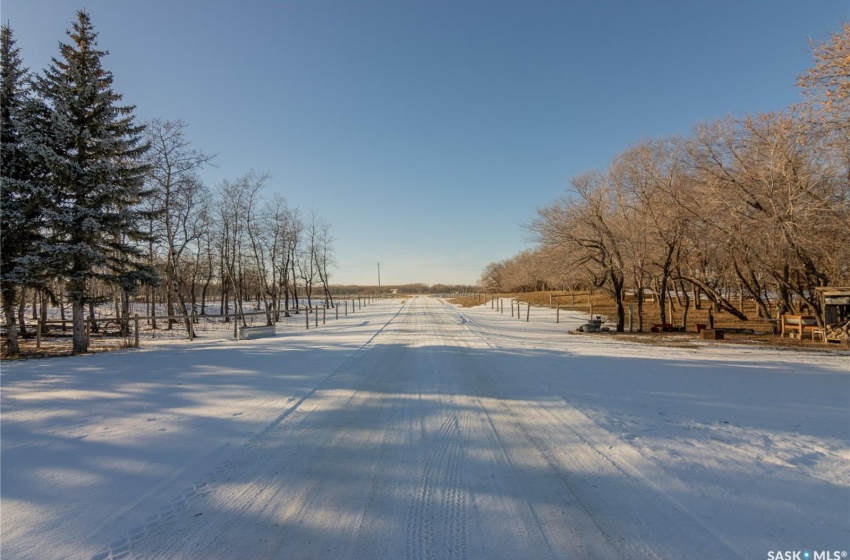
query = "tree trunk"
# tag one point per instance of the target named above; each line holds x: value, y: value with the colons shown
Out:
x: 717, y: 299
x: 78, y: 316
x: 661, y: 290
x: 42, y: 313
x: 62, y: 306
x: 640, y: 308
x: 181, y: 300
x: 125, y: 313
x: 686, y: 305
x: 22, y: 308
x: 93, y: 328
x: 294, y: 288
x: 169, y: 297
x: 12, y: 346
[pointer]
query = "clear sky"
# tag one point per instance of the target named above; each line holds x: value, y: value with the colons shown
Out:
x: 428, y: 132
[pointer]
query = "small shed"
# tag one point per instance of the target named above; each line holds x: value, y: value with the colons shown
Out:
x: 835, y: 305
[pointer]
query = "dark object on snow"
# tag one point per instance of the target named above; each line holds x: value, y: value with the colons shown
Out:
x: 594, y: 325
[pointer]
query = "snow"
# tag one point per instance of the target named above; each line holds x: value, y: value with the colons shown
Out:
x: 422, y: 430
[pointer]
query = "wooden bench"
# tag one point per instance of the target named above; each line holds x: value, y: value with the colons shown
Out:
x: 797, y: 326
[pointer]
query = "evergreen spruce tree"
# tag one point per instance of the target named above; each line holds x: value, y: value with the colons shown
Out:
x: 93, y: 154
x: 20, y: 199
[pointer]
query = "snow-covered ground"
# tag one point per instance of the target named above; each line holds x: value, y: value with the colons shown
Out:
x: 421, y: 430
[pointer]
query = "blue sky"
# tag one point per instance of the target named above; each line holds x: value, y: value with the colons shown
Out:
x: 428, y: 132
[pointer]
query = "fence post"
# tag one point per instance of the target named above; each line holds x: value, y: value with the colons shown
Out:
x: 558, y: 313
x: 38, y: 327
x: 136, y: 320
x: 316, y: 313
x: 235, y: 326
x: 336, y: 307
x: 307, y: 317
x: 528, y: 312
x: 346, y: 308
x: 512, y: 308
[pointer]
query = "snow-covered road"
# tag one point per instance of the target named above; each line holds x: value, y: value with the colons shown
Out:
x: 420, y: 430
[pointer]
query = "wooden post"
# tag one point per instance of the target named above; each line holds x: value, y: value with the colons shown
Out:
x: 528, y: 312
x: 136, y: 320
x: 631, y: 324
x: 316, y: 313
x: 336, y: 307
x: 512, y: 308
x: 307, y: 317
x: 558, y: 313
x: 38, y: 327
x: 235, y: 326
x: 346, y: 308
x: 324, y: 314
x: 591, y: 310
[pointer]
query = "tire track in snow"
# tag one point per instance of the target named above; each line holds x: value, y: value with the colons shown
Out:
x: 569, y: 428
x: 525, y: 531
x: 550, y: 430
x: 638, y: 471
x: 437, y: 514
x: 155, y: 523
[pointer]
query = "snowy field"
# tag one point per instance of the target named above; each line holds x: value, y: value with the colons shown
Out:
x: 422, y: 430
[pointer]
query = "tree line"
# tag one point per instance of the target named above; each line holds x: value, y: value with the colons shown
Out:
x: 756, y: 206
x: 97, y: 206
